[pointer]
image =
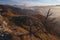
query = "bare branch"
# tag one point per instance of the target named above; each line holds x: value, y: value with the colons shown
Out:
x: 48, y: 14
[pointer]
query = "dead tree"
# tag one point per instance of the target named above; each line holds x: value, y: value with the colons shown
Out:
x: 30, y: 31
x: 44, y: 23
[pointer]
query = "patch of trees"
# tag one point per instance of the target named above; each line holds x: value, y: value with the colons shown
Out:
x: 3, y: 10
x: 19, y: 20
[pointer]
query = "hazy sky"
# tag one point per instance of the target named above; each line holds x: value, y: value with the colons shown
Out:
x: 30, y: 2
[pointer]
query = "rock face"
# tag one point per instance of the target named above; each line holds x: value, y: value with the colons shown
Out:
x: 14, y: 26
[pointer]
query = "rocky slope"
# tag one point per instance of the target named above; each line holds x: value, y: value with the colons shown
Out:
x: 22, y: 24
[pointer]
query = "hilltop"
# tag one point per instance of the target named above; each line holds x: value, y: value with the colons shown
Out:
x: 24, y: 24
